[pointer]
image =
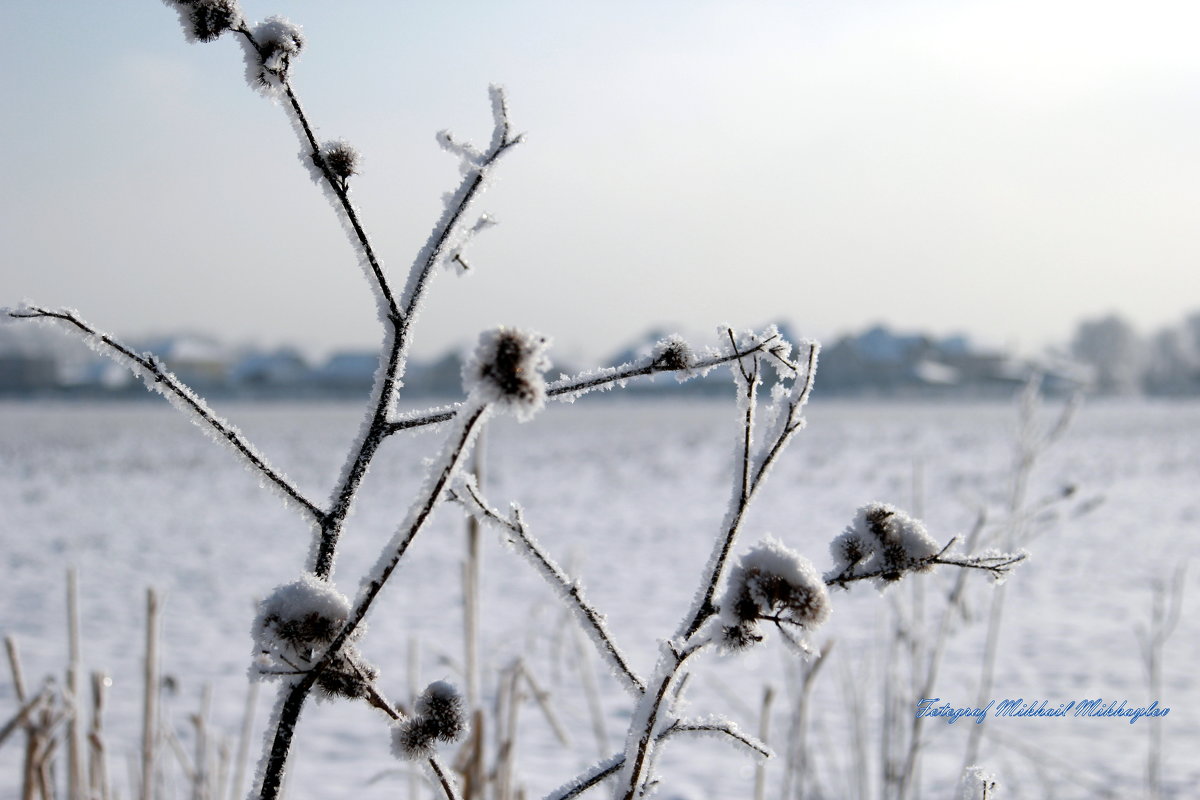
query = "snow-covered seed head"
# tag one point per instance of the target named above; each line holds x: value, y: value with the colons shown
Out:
x: 277, y: 41
x: 340, y: 158
x: 442, y: 706
x: 672, y: 353
x: 507, y: 370
x: 977, y: 784
x: 347, y: 675
x: 742, y: 636
x: 438, y: 717
x: 301, y: 618
x: 771, y: 583
x: 205, y: 20
x: 413, y: 739
x: 882, y: 538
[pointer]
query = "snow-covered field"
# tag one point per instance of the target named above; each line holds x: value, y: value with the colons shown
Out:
x: 628, y: 494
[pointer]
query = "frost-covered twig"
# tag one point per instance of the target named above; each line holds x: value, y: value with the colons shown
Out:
x: 573, y: 387
x: 158, y: 378
x: 648, y: 717
x: 998, y: 564
x: 397, y: 314
x: 1032, y: 441
x: 954, y: 607
x: 1166, y: 605
x: 592, y: 621
x: 610, y: 766
x: 448, y: 465
x: 787, y: 424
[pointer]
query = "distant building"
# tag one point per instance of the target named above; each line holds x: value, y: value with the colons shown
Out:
x: 283, y: 368
x: 347, y: 371
x: 199, y: 361
x: 24, y: 373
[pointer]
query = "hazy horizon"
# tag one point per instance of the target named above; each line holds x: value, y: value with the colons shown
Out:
x: 1002, y: 170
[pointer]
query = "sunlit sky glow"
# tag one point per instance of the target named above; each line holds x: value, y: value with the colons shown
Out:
x: 1002, y: 168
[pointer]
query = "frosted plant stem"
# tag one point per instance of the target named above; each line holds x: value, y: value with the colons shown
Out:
x: 1029, y: 447
x: 793, y: 423
x: 608, y: 767
x: 640, y: 745
x: 364, y: 452
x: 419, y: 514
x: 150, y: 678
x: 751, y: 478
x: 559, y: 580
x: 161, y: 380
x: 743, y: 490
x: 76, y: 778
x: 953, y: 607
x: 573, y: 387
x: 396, y: 314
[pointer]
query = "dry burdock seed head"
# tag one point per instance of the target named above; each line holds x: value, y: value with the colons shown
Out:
x: 340, y: 158
x: 885, y: 539
x: 438, y: 717
x: 506, y: 370
x: 347, y: 675
x: 775, y: 584
x: 299, y: 620
x: 206, y: 20
x: 672, y: 353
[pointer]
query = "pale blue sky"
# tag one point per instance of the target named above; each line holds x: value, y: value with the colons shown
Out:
x: 1002, y: 167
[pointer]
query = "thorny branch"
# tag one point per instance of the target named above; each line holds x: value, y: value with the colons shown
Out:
x: 475, y: 504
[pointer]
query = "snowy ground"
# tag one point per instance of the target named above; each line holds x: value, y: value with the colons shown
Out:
x: 628, y: 494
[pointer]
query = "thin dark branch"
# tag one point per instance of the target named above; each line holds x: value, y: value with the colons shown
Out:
x: 998, y: 566
x: 401, y: 320
x: 166, y: 383
x: 793, y: 424
x: 476, y: 505
x: 398, y: 315
x: 656, y: 698
x: 389, y: 560
x: 338, y: 186
x: 575, y: 386
x: 373, y: 436
x: 704, y: 609
x: 611, y: 766
x: 443, y: 779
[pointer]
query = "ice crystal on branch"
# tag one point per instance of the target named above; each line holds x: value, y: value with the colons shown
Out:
x: 507, y: 370
x: 206, y: 20
x: 771, y: 583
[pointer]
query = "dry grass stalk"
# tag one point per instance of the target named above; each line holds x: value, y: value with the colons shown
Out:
x: 150, y: 682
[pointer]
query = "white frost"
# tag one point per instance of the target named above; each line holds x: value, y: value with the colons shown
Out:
x: 296, y: 622
x: 507, y: 369
x: 882, y: 538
